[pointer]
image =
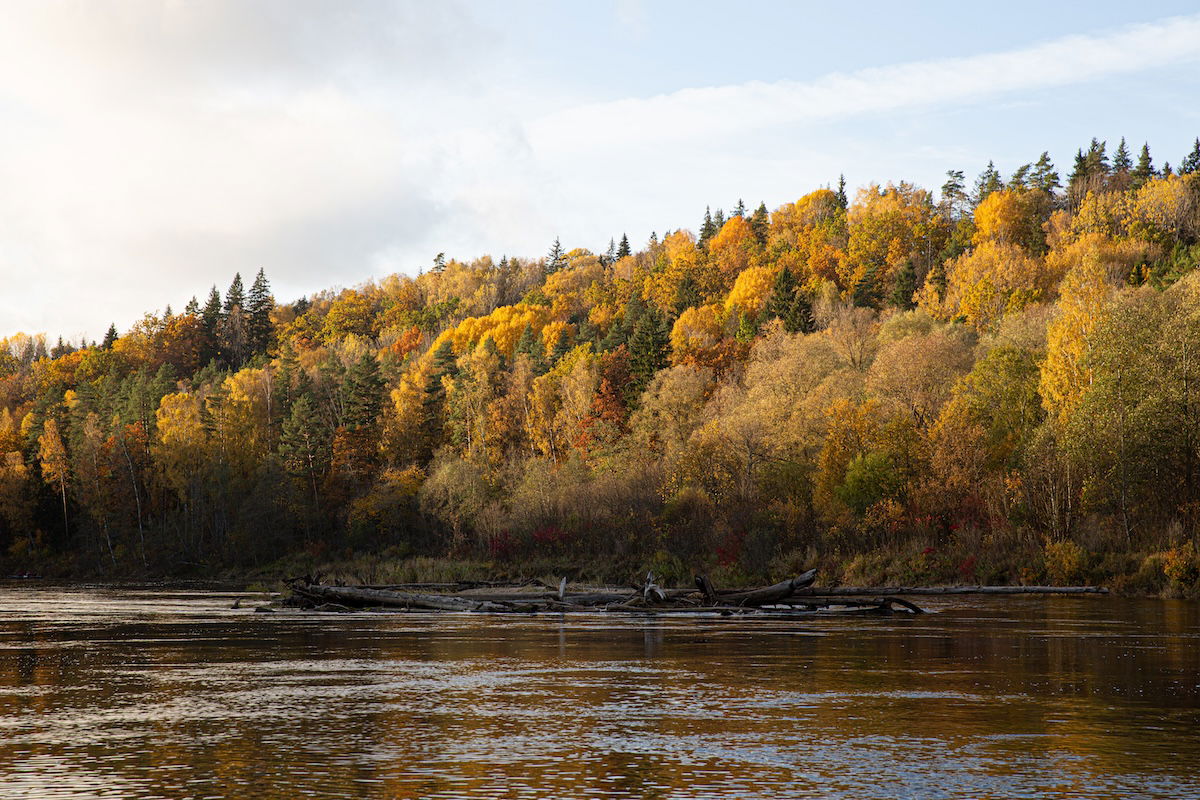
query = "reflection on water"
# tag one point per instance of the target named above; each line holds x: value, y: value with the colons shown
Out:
x: 107, y: 693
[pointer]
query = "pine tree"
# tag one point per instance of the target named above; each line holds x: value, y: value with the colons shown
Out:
x: 687, y: 294
x: 610, y: 255
x: 562, y: 346
x: 1078, y: 179
x: 304, y: 444
x: 260, y: 303
x: 235, y: 297
x: 842, y: 201
x: 783, y: 293
x: 954, y: 195
x: 363, y: 392
x: 718, y: 221
x: 1020, y: 178
x: 1144, y: 170
x: 1121, y: 160
x: 439, y: 264
x: 707, y: 228
x: 988, y: 181
x: 110, y: 337
x: 740, y: 209
x: 1045, y: 176
x: 905, y: 287
x: 1191, y: 162
x: 623, y: 249
x: 649, y: 346
x: 192, y: 307
x: 555, y: 259
x: 759, y: 223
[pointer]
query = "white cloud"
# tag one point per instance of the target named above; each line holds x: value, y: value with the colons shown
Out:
x: 726, y: 111
x: 149, y: 148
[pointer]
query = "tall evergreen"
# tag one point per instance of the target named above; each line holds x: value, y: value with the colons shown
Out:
x: 364, y: 393
x: 555, y: 259
x: 623, y: 248
x: 259, y: 304
x: 192, y: 307
x: 954, y: 195
x: 759, y: 223
x: 842, y: 201
x: 904, y: 287
x: 1044, y: 175
x: 707, y: 228
x: 740, y: 209
x: 649, y: 346
x: 235, y: 296
x: 1122, y: 163
x: 789, y: 303
x: 988, y: 181
x: 110, y: 337
x: 210, y: 318
x: 1191, y: 162
x: 1144, y: 170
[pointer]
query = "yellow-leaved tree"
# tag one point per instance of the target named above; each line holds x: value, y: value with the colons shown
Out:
x: 1085, y: 293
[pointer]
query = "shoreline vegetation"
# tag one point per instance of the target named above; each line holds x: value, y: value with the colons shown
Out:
x: 993, y: 383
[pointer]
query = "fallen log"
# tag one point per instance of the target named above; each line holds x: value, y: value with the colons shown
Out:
x: 362, y: 598
x: 892, y: 591
x: 758, y: 597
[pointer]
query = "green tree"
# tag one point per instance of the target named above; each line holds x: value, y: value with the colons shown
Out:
x: 1144, y: 170
x: 259, y: 306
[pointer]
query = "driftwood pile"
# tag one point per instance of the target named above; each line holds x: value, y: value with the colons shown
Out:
x: 791, y: 597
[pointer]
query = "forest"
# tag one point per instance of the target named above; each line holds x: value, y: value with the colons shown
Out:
x: 996, y: 382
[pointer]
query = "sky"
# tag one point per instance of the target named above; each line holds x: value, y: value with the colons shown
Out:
x: 150, y: 149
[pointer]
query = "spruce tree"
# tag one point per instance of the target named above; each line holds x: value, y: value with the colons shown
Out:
x: 1144, y: 170
x: 623, y: 248
x: 562, y: 346
x: 687, y: 294
x: 235, y: 297
x: 1121, y: 161
x: 954, y: 195
x: 905, y: 287
x: 555, y: 259
x: 110, y: 337
x: 649, y: 346
x: 760, y: 222
x: 842, y: 201
x: 718, y: 221
x: 988, y: 181
x: 610, y: 255
x: 1191, y: 162
x: 363, y: 392
x: 1045, y: 176
x: 740, y: 209
x: 707, y: 228
x: 529, y: 346
x: 260, y: 303
x: 192, y: 307
x: 783, y: 293
x: 304, y: 444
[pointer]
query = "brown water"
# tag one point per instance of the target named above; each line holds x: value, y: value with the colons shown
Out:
x: 134, y: 694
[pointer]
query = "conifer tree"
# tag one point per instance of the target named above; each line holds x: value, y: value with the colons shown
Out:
x: 1044, y: 175
x: 304, y: 444
x: 110, y: 337
x: 364, y: 393
x: 555, y: 259
x: 235, y: 296
x: 740, y: 209
x: 649, y: 346
x: 623, y: 248
x: 1121, y: 161
x: 1144, y: 170
x: 954, y: 195
x: 1191, y: 162
x: 707, y: 228
x: 759, y: 223
x: 562, y: 346
x: 988, y: 181
x: 905, y: 287
x: 192, y: 307
x: 260, y: 303
x: 842, y: 201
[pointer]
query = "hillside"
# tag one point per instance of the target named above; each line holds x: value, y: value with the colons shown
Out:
x: 999, y: 383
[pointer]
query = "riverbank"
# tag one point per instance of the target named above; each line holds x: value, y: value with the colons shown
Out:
x: 984, y: 559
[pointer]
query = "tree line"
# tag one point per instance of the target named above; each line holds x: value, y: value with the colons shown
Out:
x: 998, y: 382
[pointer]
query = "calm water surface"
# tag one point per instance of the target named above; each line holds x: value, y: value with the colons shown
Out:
x: 136, y: 694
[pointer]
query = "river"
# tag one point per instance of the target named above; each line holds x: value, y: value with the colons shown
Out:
x: 174, y: 694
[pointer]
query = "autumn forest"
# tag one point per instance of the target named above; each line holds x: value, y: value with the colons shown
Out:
x: 994, y: 381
